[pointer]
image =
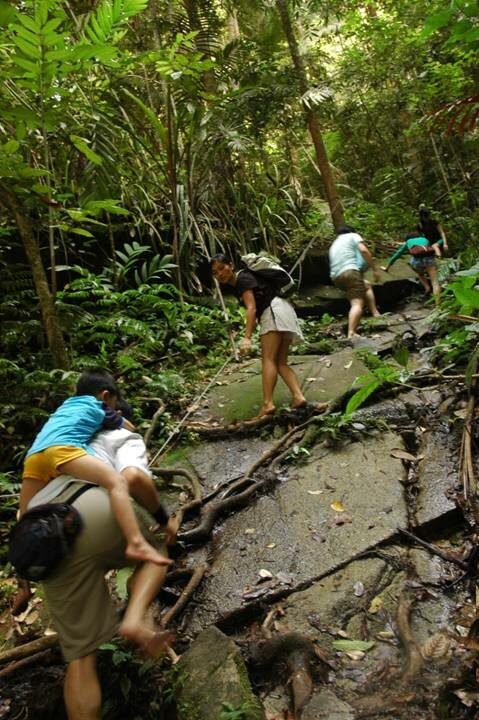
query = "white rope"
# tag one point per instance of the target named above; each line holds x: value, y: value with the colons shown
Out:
x: 192, y: 409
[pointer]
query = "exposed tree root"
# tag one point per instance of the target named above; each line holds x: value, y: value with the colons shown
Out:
x: 168, y: 473
x: 242, y: 427
x: 196, y: 575
x: 291, y: 655
x: 414, y: 660
x: 434, y: 550
x: 29, y: 660
x: 219, y: 507
x: 154, y: 420
x: 30, y: 648
x: 466, y: 464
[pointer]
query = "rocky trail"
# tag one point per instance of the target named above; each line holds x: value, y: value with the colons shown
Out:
x: 326, y: 565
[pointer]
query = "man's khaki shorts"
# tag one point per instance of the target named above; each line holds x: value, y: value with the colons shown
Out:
x: 77, y: 593
x: 352, y: 283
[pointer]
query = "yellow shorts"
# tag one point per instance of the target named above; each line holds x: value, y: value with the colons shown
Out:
x: 44, y: 465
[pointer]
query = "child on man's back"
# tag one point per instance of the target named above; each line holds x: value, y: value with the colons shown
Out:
x: 62, y: 447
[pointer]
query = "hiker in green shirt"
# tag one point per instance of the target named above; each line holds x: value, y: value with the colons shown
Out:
x: 423, y: 261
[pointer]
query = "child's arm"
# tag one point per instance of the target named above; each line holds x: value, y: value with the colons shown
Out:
x: 400, y: 251
x: 113, y: 420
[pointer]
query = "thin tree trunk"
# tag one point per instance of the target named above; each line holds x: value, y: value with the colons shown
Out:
x: 313, y: 125
x: 53, y: 331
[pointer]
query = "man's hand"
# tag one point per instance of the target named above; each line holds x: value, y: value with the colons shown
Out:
x: 245, y: 346
x: 128, y: 425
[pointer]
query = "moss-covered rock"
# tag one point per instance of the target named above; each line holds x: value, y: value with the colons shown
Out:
x: 215, y: 681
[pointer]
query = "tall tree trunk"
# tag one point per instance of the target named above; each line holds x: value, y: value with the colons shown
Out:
x: 321, y: 155
x: 52, y: 328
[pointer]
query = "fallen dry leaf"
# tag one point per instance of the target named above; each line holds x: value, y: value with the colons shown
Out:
x: 337, y: 506
x: 314, y: 492
x: 375, y: 606
x: 402, y: 454
x: 356, y: 654
x: 270, y: 546
x: 265, y: 574
x: 348, y: 365
x: 436, y: 647
x: 250, y: 531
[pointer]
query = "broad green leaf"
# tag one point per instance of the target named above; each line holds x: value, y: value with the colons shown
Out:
x: 402, y: 356
x: 350, y: 645
x: 58, y: 55
x: 11, y: 147
x: 468, y: 297
x: 82, y: 145
x: 26, y: 34
x: 29, y: 23
x: 32, y: 51
x: 436, y: 21
x: 80, y: 231
x: 361, y: 395
x: 52, y: 25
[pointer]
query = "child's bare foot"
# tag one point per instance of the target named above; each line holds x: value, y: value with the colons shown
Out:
x: 145, y: 552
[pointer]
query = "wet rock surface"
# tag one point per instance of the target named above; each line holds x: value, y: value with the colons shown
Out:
x: 337, y: 505
x: 215, y: 679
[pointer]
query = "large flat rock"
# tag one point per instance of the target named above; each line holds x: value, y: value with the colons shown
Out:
x: 322, y: 378
x: 437, y: 475
x: 296, y: 535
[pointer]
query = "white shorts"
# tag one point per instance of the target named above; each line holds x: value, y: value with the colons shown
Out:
x: 280, y: 317
x: 121, y: 449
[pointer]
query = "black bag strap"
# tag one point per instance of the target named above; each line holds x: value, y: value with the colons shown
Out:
x: 79, y: 491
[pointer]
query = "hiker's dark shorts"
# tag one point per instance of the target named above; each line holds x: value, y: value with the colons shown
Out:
x: 352, y: 283
x: 77, y: 593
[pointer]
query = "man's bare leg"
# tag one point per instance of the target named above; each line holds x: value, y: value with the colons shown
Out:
x: 144, y: 586
x: 81, y: 689
x: 436, y: 288
x: 371, y: 300
x: 355, y: 315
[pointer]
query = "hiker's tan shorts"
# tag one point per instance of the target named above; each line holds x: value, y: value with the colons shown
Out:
x: 77, y: 593
x: 352, y: 283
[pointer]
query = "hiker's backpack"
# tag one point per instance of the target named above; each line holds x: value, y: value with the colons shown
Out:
x: 271, y: 271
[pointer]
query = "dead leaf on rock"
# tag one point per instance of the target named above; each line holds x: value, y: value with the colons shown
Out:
x: 337, y: 506
x: 356, y: 654
x: 250, y: 531
x: 467, y: 697
x: 265, y: 574
x: 270, y: 546
x: 376, y: 605
x: 402, y: 454
x: 436, y: 647
x: 314, y: 492
x: 348, y: 365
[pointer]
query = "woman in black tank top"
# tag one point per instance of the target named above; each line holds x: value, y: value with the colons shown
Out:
x: 279, y: 328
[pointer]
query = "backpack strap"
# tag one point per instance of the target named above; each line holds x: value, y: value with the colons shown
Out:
x: 79, y: 491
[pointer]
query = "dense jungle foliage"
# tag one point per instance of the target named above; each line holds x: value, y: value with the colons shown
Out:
x: 138, y: 138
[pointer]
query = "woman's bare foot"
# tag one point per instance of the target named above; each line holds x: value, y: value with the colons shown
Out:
x: 143, y: 551
x: 299, y: 402
x: 268, y: 409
